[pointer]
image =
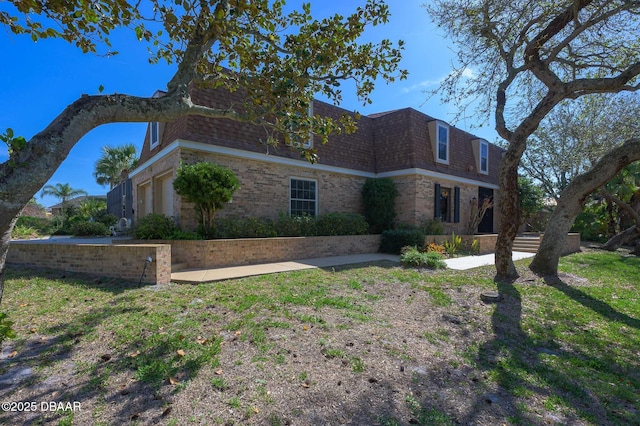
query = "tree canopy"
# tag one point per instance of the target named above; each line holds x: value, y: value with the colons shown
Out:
x: 519, y: 60
x: 115, y: 164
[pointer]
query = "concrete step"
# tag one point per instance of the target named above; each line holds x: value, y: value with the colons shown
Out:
x: 179, y: 266
x: 526, y: 244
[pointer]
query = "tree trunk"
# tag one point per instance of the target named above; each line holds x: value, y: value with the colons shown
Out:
x: 546, y: 259
x: 622, y: 238
x: 4, y: 242
x: 509, y: 215
x: 572, y: 201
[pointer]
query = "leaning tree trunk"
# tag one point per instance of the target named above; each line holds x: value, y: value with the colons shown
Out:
x: 622, y: 238
x: 509, y: 211
x: 572, y: 201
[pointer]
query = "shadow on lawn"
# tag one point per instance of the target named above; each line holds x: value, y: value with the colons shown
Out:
x: 92, y: 366
x: 112, y: 285
x: 523, y: 366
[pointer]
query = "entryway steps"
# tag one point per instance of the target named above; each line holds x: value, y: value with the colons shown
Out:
x: 527, y: 244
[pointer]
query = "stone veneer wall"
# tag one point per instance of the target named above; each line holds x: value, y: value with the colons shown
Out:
x: 118, y: 261
x: 235, y: 252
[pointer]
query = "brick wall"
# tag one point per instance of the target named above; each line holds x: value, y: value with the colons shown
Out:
x: 264, y: 187
x: 222, y: 253
x: 119, y: 261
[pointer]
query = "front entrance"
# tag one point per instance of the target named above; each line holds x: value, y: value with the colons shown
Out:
x: 486, y: 225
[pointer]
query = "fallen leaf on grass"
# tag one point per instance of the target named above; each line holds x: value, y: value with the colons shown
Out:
x: 173, y: 381
x: 201, y: 340
x: 12, y: 354
x: 22, y: 305
x: 255, y: 410
x: 134, y: 354
x: 219, y: 372
x: 180, y: 352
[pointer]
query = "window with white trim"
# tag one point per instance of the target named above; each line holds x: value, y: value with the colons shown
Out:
x: 303, y: 199
x: 154, y: 137
x: 484, y: 157
x: 442, y: 143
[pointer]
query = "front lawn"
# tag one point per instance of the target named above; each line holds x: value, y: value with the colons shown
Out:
x: 369, y: 344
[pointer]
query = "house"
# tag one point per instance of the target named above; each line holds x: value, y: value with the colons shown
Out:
x: 75, y: 202
x: 439, y: 170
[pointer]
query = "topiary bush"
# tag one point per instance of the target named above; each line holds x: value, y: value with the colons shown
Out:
x: 84, y: 229
x: 393, y: 240
x: 155, y: 226
x: 209, y: 187
x: 379, y: 197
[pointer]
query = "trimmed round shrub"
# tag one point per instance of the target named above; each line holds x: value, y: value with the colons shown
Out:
x: 85, y: 229
x: 155, y: 226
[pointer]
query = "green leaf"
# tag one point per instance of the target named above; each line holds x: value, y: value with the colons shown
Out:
x: 100, y: 88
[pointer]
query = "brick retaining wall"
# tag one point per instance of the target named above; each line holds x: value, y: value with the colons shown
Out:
x: 235, y: 252
x: 119, y: 261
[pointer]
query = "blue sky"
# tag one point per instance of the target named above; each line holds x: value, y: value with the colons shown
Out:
x: 40, y: 79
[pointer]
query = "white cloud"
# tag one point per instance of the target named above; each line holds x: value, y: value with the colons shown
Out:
x: 425, y: 84
x: 422, y: 85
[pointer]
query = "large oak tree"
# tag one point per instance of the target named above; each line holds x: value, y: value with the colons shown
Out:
x: 526, y: 58
x: 280, y: 57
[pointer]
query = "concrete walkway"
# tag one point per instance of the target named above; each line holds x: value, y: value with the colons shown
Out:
x: 206, y: 275
x: 470, y: 262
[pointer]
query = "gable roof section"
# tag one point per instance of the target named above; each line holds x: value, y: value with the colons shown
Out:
x: 385, y: 142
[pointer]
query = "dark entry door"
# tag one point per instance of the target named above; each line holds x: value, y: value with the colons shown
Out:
x: 486, y: 225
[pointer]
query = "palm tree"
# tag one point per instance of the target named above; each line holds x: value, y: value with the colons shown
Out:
x: 62, y: 191
x: 115, y: 163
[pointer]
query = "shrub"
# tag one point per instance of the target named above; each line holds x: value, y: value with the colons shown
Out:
x: 378, y: 196
x: 22, y: 232
x: 295, y: 226
x: 341, y: 224
x: 434, y: 227
x: 209, y: 187
x: 393, y: 240
x: 437, y: 248
x: 155, y: 227
x: 248, y: 227
x: 108, y: 219
x: 43, y: 225
x: 6, y: 330
x: 411, y: 256
x: 83, y: 229
x: 452, y: 245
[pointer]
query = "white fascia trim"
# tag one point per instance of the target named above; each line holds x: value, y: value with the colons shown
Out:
x: 159, y: 156
x: 248, y: 155
x: 239, y: 153
x: 437, y: 175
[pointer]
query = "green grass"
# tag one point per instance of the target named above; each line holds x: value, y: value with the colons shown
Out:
x: 569, y: 346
